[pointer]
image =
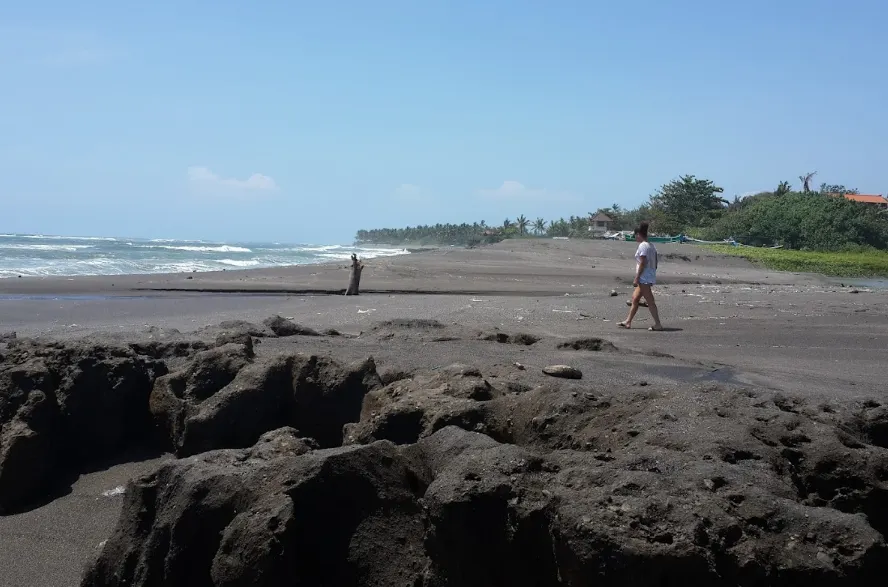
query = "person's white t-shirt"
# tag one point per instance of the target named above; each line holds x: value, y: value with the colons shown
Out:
x: 649, y: 275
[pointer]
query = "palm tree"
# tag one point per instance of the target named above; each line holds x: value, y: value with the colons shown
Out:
x: 783, y: 188
x: 522, y: 223
x: 507, y: 224
x: 539, y: 226
x: 806, y: 181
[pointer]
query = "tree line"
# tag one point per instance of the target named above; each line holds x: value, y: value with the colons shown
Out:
x: 478, y: 232
x: 800, y: 219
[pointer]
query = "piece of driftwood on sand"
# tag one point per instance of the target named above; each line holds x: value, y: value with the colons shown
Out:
x: 354, y: 280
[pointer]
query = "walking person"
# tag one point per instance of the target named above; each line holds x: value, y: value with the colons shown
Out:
x: 645, y: 278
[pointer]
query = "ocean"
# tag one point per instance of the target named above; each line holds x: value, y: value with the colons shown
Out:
x: 41, y: 255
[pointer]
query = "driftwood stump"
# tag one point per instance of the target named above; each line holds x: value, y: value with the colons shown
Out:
x: 354, y: 280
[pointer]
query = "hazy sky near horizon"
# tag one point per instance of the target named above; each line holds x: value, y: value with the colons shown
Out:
x: 304, y: 121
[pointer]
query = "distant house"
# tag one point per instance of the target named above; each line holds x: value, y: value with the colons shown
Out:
x: 873, y: 200
x: 600, y: 224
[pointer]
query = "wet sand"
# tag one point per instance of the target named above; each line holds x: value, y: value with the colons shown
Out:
x: 728, y: 320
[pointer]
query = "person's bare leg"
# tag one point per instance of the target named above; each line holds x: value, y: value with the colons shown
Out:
x: 636, y: 296
x: 652, y: 305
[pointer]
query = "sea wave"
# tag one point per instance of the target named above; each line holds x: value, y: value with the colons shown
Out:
x: 27, y: 255
x: 240, y: 262
x: 216, y: 249
x: 58, y: 248
x: 62, y: 238
x: 317, y: 248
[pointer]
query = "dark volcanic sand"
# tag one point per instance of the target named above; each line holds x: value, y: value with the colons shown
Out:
x: 730, y: 323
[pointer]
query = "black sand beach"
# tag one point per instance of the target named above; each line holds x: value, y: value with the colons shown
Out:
x: 732, y: 328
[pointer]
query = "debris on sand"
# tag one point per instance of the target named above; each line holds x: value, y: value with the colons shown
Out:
x: 587, y: 344
x: 284, y: 327
x: 119, y: 490
x: 563, y: 371
x: 503, y: 338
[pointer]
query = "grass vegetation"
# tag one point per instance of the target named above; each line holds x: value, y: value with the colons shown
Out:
x: 861, y: 262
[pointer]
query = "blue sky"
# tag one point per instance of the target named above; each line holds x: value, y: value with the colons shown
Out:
x: 304, y: 121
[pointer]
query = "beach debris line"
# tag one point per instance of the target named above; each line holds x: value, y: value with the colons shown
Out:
x: 354, y: 279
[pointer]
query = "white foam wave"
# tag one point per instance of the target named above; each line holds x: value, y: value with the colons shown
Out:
x: 337, y: 256
x: 218, y: 249
x: 63, y: 238
x: 382, y: 252
x: 240, y: 263
x: 59, y: 248
x: 142, y: 257
x: 317, y: 248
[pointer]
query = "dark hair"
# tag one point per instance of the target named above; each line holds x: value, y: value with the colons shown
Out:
x: 642, y: 229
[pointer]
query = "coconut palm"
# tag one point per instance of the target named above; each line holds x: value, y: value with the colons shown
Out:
x: 783, y: 188
x: 539, y: 226
x: 806, y: 181
x: 522, y: 222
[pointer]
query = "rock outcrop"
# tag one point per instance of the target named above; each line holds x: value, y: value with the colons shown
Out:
x: 459, y: 508
x: 298, y: 469
x: 275, y: 514
x: 226, y: 399
x: 67, y: 405
x: 64, y: 406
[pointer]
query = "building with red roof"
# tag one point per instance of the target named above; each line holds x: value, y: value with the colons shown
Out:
x: 875, y: 200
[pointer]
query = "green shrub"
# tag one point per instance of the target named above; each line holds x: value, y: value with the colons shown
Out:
x: 802, y: 221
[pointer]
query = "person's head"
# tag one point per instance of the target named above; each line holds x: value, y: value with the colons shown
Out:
x: 641, y: 232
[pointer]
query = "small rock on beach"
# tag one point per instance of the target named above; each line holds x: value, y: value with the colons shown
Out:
x: 563, y: 371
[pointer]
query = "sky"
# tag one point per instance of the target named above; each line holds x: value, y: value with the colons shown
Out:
x: 297, y: 121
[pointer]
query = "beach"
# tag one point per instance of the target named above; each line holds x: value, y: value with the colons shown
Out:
x: 729, y: 325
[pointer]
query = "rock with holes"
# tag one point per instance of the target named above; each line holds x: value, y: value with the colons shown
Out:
x: 563, y: 371
x: 409, y: 409
x: 176, y: 396
x: 238, y: 400
x: 460, y: 508
x: 275, y: 514
x: 500, y: 514
x: 63, y: 407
